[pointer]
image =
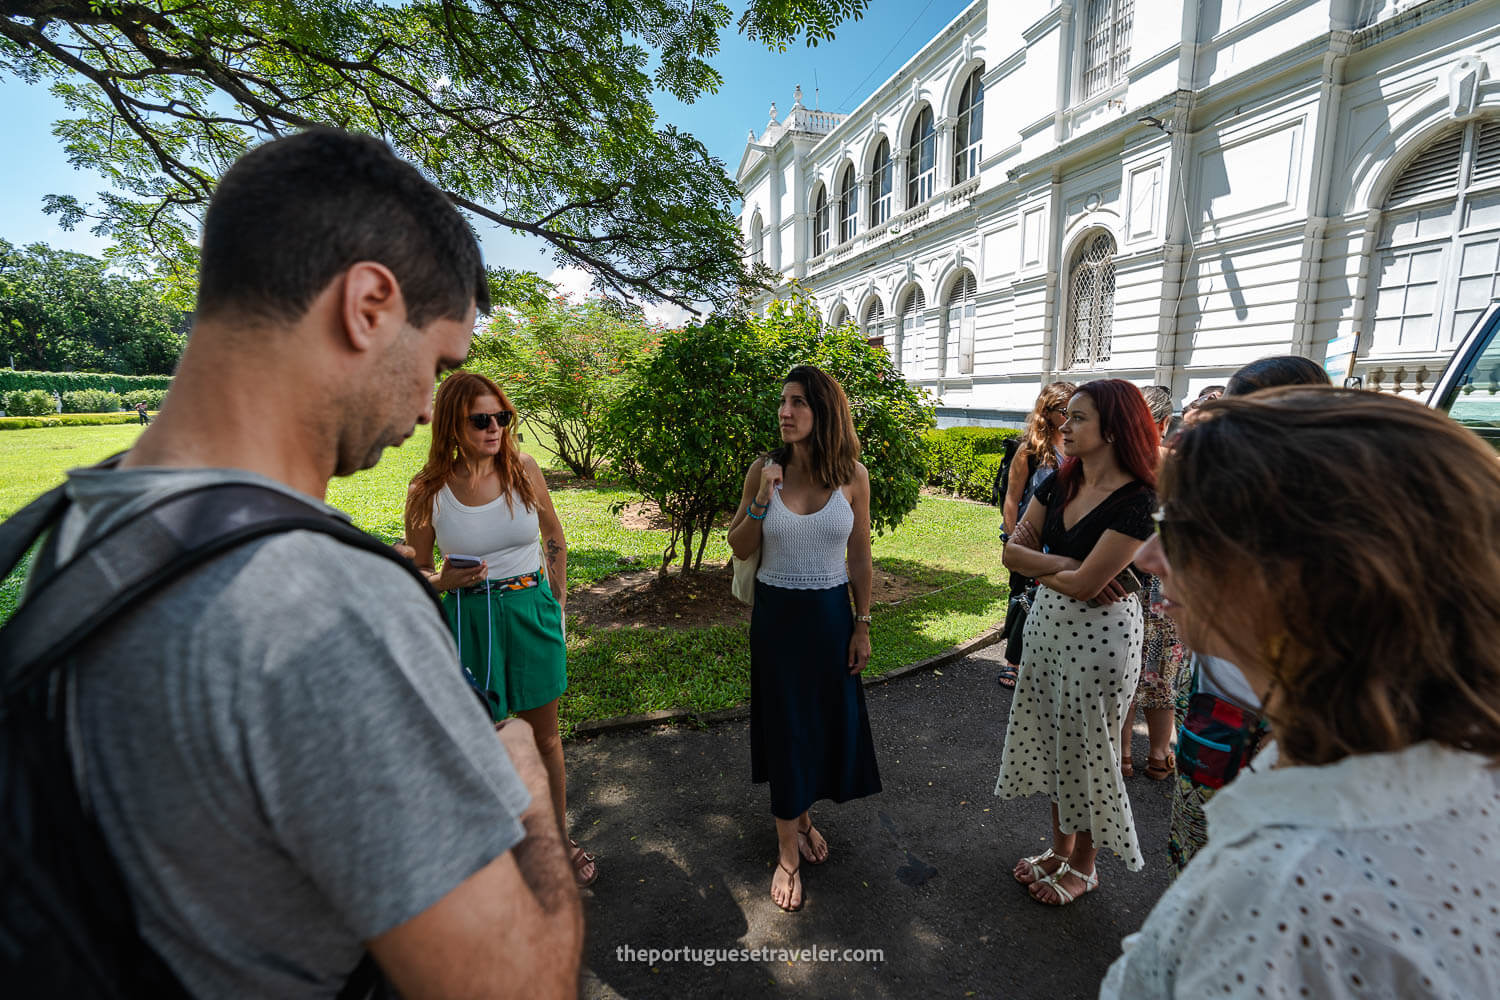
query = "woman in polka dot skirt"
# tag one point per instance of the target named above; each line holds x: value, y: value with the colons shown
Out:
x: 1357, y: 855
x: 1082, y: 642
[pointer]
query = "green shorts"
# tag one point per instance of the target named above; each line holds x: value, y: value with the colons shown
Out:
x: 512, y: 642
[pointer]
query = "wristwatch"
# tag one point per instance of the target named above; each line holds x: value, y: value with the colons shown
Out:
x: 862, y: 618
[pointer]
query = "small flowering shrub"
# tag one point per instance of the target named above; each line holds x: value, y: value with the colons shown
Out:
x: 563, y: 364
x: 702, y: 407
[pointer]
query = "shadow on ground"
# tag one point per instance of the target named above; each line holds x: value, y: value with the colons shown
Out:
x: 920, y: 871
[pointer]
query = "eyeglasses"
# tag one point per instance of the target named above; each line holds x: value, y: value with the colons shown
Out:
x: 1159, y: 516
x: 1058, y: 409
x: 481, y: 421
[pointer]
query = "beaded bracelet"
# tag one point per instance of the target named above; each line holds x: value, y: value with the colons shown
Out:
x: 762, y: 506
x: 754, y: 516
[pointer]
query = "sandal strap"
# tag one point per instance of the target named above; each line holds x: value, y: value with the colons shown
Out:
x: 790, y: 872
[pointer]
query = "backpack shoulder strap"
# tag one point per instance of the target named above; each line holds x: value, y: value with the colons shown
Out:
x: 21, y: 530
x: 133, y: 560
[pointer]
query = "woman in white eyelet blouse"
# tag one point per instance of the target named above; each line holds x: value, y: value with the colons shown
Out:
x: 1359, y: 856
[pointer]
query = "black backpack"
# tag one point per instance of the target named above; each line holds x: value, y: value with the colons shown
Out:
x: 67, y: 928
x: 1002, y: 478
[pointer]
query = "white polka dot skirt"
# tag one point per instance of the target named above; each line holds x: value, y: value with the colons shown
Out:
x: 1079, y: 670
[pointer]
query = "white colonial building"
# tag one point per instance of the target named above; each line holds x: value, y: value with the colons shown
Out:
x: 1158, y: 190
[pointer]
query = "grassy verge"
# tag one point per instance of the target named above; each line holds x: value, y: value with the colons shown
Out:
x: 947, y: 544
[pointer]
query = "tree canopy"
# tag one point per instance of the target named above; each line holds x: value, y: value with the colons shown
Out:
x: 62, y: 311
x: 531, y: 114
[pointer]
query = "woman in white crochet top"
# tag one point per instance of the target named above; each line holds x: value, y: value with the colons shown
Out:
x: 1360, y: 597
x: 806, y: 512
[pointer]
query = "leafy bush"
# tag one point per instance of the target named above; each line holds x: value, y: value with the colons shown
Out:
x: 964, y: 460
x: 90, y: 401
x: 697, y: 411
x: 151, y: 397
x: 66, y: 420
x: 30, y: 403
x: 563, y: 365
x: 11, y: 379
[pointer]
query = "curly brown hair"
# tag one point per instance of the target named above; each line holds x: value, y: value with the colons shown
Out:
x: 1356, y: 538
x: 1039, y: 437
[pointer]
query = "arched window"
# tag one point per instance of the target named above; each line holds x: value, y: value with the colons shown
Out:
x: 757, y: 239
x: 1106, y: 44
x: 880, y: 185
x: 958, y: 330
x: 921, y: 161
x: 913, y: 354
x: 873, y: 324
x: 1091, y: 303
x: 970, y: 128
x: 820, y: 222
x: 1437, y: 262
x: 848, y: 205
x: 839, y: 318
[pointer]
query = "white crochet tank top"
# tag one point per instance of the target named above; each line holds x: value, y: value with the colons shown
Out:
x: 805, y: 551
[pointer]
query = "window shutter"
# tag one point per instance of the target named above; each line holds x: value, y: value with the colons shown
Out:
x: 1486, y: 155
x: 1434, y: 172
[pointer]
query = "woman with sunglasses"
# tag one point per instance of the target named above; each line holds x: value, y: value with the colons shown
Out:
x: 1036, y: 458
x: 1357, y: 854
x: 1082, y: 656
x: 480, y: 497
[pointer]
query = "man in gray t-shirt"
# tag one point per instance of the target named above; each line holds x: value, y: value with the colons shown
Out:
x: 280, y: 748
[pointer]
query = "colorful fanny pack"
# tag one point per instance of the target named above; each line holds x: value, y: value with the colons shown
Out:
x: 522, y: 582
x: 1217, y: 738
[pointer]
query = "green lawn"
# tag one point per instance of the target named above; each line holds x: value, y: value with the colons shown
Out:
x: 947, y: 544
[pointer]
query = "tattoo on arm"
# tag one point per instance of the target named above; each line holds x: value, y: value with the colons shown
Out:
x: 553, y: 549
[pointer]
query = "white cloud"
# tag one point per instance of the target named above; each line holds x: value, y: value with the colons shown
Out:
x: 576, y: 284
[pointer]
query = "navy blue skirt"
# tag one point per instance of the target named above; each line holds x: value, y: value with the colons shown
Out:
x: 809, y: 732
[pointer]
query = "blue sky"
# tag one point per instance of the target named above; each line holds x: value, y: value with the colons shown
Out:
x: 844, y: 71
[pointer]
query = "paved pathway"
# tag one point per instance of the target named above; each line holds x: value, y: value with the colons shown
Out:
x: 922, y: 870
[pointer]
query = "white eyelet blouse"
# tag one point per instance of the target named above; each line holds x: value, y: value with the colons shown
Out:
x: 1377, y: 876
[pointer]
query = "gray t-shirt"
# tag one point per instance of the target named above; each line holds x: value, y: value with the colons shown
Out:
x: 282, y: 753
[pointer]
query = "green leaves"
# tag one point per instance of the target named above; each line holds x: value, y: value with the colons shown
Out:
x: 535, y: 116
x: 700, y: 409
x: 65, y: 310
x: 563, y: 365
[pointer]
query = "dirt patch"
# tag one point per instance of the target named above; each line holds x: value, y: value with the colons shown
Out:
x: 644, y: 516
x: 699, y: 599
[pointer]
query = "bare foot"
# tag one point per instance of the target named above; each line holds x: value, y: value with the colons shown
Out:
x: 786, y: 887
x: 811, y: 845
x: 1047, y: 861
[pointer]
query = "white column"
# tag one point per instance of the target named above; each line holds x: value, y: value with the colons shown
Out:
x: 898, y: 182
x: 945, y: 130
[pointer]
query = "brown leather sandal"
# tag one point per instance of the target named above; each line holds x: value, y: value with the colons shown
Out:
x: 1160, y: 768
x: 792, y: 874
x: 807, y: 835
x: 1127, y: 767
x: 581, y: 860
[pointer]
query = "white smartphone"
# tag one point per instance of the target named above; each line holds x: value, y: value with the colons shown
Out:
x: 463, y: 562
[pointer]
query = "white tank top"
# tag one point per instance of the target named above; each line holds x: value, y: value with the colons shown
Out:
x: 806, y: 551
x: 508, y: 540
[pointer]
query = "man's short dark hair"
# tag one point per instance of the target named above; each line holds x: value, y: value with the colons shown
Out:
x: 291, y: 215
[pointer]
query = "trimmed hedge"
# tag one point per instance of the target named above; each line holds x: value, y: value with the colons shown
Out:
x: 67, y: 420
x: 91, y: 401
x: 964, y: 460
x: 10, y: 380
x: 29, y: 403
x: 151, y: 397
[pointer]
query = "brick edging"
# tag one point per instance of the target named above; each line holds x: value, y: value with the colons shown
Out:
x: 644, y: 720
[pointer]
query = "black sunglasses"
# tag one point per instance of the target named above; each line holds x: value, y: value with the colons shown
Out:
x: 481, y: 421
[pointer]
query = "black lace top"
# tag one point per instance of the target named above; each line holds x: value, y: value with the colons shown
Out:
x: 1126, y: 510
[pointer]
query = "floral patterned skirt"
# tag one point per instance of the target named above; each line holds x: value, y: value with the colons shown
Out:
x: 1162, y: 653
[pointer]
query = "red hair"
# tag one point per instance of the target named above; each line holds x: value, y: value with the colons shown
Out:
x: 1124, y: 418
x: 450, y: 448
